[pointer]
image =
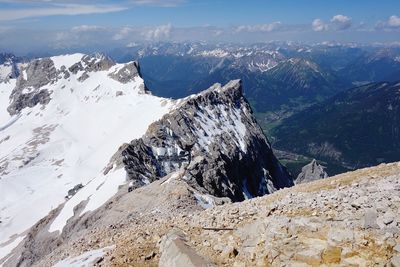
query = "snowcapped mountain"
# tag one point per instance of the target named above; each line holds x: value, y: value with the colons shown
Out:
x: 275, y: 75
x: 69, y: 116
x: 66, y: 130
x: 255, y: 58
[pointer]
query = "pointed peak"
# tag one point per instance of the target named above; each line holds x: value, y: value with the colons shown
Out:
x: 233, y: 85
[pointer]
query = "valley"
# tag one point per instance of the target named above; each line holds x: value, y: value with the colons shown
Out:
x: 111, y: 163
x: 188, y: 133
x: 283, y: 80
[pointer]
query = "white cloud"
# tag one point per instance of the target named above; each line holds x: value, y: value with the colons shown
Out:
x: 59, y: 9
x: 43, y: 8
x: 260, y: 28
x: 318, y: 25
x: 340, y: 19
x: 122, y: 33
x: 394, y: 21
x: 391, y: 24
x: 158, y: 33
x: 340, y: 22
x: 336, y: 23
x: 86, y: 28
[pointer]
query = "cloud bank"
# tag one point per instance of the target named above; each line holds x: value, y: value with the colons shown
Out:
x: 336, y: 23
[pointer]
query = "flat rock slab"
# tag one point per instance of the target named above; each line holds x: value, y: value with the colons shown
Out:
x: 175, y: 252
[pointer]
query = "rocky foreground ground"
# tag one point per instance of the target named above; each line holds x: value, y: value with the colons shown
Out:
x: 347, y: 220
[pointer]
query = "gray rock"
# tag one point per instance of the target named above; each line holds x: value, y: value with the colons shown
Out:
x: 311, y: 172
x: 175, y: 252
x: 128, y: 73
x: 30, y: 88
x: 216, y: 138
x: 337, y: 236
x: 21, y: 101
x: 73, y: 191
x: 39, y: 73
x: 370, y: 217
x: 388, y: 218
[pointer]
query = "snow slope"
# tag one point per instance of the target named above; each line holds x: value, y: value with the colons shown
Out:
x: 48, y: 149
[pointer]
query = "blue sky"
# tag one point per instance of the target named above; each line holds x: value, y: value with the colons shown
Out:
x: 76, y: 23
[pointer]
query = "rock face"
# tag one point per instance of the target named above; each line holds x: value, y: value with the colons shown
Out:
x: 215, y: 138
x: 31, y: 85
x: 311, y: 172
x: 36, y: 75
x: 125, y: 74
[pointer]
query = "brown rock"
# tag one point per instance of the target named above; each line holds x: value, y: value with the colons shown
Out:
x: 332, y: 255
x: 310, y: 256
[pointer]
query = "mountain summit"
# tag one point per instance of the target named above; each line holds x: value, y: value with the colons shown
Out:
x: 78, y: 127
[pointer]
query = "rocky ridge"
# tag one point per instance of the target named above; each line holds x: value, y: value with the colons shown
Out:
x: 60, y: 131
x: 218, y: 141
x: 346, y: 220
x: 209, y: 143
x: 31, y: 90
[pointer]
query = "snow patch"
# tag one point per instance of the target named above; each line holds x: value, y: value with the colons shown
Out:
x: 68, y: 142
x: 212, y: 126
x: 6, y: 249
x: 85, y: 260
x: 246, y: 192
x: 96, y: 192
x: 66, y: 60
x: 205, y: 201
x: 214, y: 53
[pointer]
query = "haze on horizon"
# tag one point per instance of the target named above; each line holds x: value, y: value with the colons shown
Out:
x: 39, y: 26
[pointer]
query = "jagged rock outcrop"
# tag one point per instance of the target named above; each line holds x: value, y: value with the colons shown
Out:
x: 311, y: 172
x: 31, y: 85
x: 215, y: 137
x: 127, y: 73
x: 36, y: 75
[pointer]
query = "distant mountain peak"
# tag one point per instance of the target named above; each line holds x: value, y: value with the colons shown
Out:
x: 40, y: 77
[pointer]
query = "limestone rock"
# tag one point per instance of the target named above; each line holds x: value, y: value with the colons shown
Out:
x: 311, y: 172
x: 175, y: 252
x: 216, y: 139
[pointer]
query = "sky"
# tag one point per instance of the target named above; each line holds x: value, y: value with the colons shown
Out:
x: 34, y: 25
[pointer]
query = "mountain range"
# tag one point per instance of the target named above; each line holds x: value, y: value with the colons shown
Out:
x: 356, y: 128
x: 78, y: 127
x: 95, y: 170
x: 280, y: 80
